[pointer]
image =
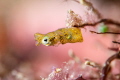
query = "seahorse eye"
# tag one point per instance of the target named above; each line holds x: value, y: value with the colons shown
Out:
x: 45, y: 40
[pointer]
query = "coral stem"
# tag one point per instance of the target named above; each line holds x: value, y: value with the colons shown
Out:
x: 104, y: 32
x: 116, y: 42
x: 106, y: 68
x: 106, y: 21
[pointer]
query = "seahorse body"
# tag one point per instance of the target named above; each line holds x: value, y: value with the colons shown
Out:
x: 62, y: 36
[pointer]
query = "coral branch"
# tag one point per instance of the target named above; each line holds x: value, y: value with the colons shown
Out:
x: 106, y: 68
x: 104, y: 32
x: 72, y: 55
x: 89, y: 7
x: 116, y: 42
x: 105, y: 21
x: 92, y: 64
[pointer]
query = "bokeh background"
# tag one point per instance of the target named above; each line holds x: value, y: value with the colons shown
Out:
x: 21, y: 19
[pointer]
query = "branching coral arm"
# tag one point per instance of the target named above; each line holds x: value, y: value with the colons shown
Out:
x: 89, y: 7
x: 104, y: 32
x: 106, y: 68
x: 106, y: 21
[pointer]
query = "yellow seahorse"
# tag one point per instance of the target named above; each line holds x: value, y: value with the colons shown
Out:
x: 60, y: 36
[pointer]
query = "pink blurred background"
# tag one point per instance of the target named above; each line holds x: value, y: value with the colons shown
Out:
x: 21, y: 19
